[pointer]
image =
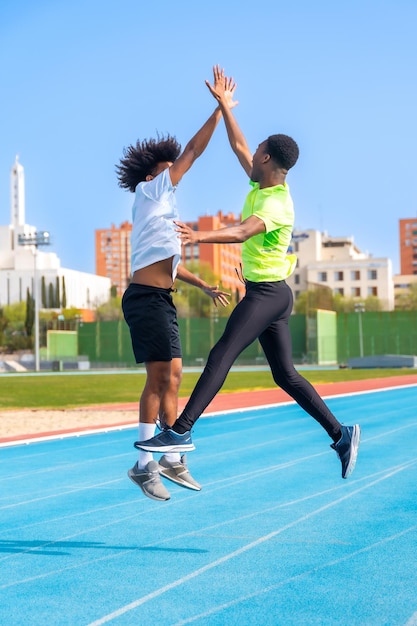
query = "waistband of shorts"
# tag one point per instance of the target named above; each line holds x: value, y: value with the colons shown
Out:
x: 149, y: 288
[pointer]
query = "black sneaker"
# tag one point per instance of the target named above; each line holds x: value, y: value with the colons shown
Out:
x: 347, y: 448
x: 167, y: 441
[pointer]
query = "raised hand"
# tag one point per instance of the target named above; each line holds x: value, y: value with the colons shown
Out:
x: 223, y: 87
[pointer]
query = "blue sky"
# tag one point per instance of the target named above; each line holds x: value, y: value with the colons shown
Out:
x: 82, y: 80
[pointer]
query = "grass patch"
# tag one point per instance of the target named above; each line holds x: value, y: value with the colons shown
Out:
x: 60, y: 391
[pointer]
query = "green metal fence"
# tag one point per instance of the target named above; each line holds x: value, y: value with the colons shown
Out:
x: 357, y: 334
x: 109, y: 342
x: 376, y: 333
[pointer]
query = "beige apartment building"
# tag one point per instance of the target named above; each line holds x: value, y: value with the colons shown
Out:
x: 337, y: 263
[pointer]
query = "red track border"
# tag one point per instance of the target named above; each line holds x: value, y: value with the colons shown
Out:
x: 232, y: 401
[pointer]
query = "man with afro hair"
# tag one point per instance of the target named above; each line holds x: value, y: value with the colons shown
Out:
x: 152, y: 169
x: 265, y: 233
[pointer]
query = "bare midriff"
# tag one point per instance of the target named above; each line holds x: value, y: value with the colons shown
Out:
x: 158, y: 274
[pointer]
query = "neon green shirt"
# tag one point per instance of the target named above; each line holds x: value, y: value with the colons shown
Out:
x: 264, y: 256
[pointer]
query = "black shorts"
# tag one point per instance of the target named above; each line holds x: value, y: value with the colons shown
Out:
x: 152, y: 319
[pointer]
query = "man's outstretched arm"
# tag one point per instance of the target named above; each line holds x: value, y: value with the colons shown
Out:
x: 196, y: 146
x: 220, y: 90
x: 230, y: 234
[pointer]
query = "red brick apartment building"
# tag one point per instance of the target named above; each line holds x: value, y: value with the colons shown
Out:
x: 408, y: 245
x: 113, y: 253
x: 223, y: 259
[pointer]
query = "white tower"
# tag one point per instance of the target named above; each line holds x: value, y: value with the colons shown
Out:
x: 17, y: 194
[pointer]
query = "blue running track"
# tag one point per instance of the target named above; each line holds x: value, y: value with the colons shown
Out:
x: 275, y: 538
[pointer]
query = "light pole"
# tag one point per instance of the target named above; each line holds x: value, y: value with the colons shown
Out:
x: 36, y: 239
x: 359, y: 309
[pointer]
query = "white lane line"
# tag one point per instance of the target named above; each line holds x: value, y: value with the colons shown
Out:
x: 305, y: 574
x: 236, y: 480
x: 392, y: 471
x: 62, y: 493
x: 78, y: 433
x: 180, y: 581
x: 412, y: 621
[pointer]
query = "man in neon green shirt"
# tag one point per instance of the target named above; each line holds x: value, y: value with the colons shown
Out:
x: 263, y: 313
x: 264, y: 256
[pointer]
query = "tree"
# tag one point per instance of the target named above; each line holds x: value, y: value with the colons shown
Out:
x: 111, y: 310
x: 71, y: 314
x: 15, y: 334
x: 316, y: 297
x: 30, y: 313
x: 43, y: 291
x: 57, y: 294
x: 3, y: 326
x: 51, y: 297
x: 407, y: 301
x: 323, y: 298
x: 192, y: 302
x: 64, y: 294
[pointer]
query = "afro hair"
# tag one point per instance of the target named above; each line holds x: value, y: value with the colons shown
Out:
x: 141, y: 159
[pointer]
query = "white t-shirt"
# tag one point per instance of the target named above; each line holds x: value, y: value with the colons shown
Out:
x: 153, y: 231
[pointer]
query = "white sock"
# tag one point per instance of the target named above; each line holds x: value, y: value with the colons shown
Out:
x: 146, y: 431
x: 173, y: 457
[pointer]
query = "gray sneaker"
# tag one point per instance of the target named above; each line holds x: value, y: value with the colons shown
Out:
x: 149, y: 481
x: 178, y: 473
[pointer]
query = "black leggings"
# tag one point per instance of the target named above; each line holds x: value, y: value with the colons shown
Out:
x: 262, y: 314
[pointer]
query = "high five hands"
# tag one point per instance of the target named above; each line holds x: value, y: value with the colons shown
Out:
x: 223, y: 88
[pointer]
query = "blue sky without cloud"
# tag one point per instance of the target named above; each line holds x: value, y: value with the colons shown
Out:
x: 83, y: 79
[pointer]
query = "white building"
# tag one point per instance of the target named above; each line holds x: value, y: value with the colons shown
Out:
x: 337, y: 263
x: 17, y: 262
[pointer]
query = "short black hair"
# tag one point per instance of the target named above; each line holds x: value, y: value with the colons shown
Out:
x: 141, y: 159
x: 283, y: 150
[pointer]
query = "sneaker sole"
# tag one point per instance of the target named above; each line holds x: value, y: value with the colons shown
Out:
x: 186, y: 447
x: 177, y: 479
x: 147, y: 494
x: 356, y: 436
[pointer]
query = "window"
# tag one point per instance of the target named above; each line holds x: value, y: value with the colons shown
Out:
x: 297, y: 279
x: 372, y: 274
x: 339, y: 291
x: 355, y: 275
x: 322, y: 277
x: 372, y: 291
x: 338, y: 276
x: 356, y: 292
